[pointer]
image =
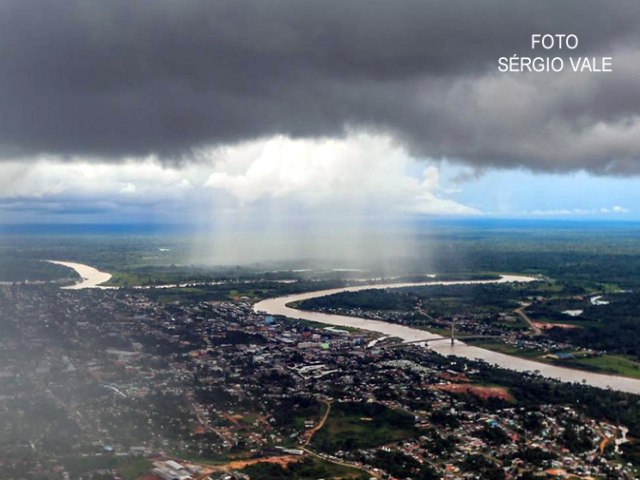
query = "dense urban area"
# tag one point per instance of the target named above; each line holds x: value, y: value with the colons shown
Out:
x: 107, y: 383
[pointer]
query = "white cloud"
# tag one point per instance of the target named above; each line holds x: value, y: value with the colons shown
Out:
x: 616, y: 209
x: 51, y: 177
x: 358, y: 170
x: 619, y: 209
x: 361, y: 174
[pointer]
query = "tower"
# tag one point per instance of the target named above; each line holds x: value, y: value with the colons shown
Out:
x: 453, y: 323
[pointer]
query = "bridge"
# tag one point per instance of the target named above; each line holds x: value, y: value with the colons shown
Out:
x: 441, y: 339
x: 452, y: 338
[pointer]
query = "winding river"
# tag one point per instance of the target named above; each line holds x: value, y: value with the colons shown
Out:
x: 278, y: 306
x: 93, y: 278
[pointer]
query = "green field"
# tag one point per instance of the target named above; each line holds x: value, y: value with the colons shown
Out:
x: 497, y: 346
x: 129, y: 468
x: 609, y: 364
x: 356, y: 425
x: 309, y: 469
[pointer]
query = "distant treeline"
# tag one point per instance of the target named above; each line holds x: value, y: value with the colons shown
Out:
x: 614, y: 328
x: 14, y: 269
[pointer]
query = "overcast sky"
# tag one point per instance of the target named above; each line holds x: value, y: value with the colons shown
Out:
x: 200, y: 111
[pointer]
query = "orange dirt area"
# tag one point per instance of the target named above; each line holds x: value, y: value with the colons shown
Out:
x: 451, y: 377
x: 199, y: 430
x: 283, y: 460
x: 548, y: 326
x: 476, y: 390
x: 235, y: 419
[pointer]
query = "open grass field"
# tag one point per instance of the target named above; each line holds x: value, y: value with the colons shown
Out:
x: 129, y: 468
x: 609, y: 364
x: 309, y: 468
x: 356, y: 425
x: 504, y: 348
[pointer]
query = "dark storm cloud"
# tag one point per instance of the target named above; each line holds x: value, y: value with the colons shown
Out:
x: 130, y: 78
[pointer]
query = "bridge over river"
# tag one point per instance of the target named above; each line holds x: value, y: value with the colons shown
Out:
x: 279, y: 306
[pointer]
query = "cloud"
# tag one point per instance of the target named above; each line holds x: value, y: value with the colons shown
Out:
x: 355, y: 176
x: 128, y: 79
x: 361, y: 171
x: 95, y: 191
x: 578, y: 212
x: 51, y: 178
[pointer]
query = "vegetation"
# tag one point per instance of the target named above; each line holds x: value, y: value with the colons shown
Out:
x: 354, y: 425
x: 14, y: 269
x: 400, y: 465
x: 531, y: 390
x: 610, y: 364
x: 293, y: 411
x: 435, y: 300
x: 481, y: 465
x: 607, y: 364
x: 129, y: 468
x: 494, y: 435
x: 368, y: 299
x: 614, y: 327
x: 308, y: 469
x: 582, y: 260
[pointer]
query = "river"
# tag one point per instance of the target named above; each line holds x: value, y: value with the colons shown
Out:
x: 278, y: 306
x: 91, y: 277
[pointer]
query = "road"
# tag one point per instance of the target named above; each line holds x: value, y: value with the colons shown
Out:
x: 319, y: 425
x: 341, y: 462
x: 520, y: 311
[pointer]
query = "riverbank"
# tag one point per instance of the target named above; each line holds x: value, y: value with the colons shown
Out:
x: 438, y: 343
x: 93, y: 278
x: 90, y: 277
x: 603, y: 364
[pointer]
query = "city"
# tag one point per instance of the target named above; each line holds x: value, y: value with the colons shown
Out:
x: 113, y: 377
